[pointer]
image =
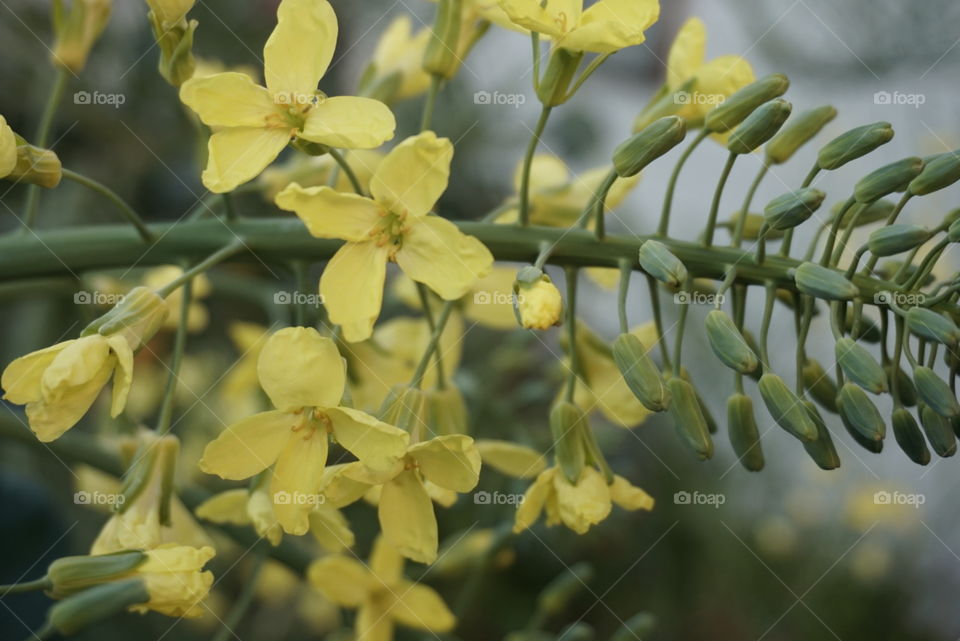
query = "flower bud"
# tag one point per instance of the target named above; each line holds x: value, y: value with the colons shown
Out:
x: 887, y: 180
x: 566, y: 424
x: 935, y: 393
x: 446, y: 411
x: 859, y: 414
x: 821, y: 450
x: 822, y: 388
x: 77, y: 29
x: 728, y: 343
x: 644, y: 147
x: 906, y: 391
x: 909, y: 437
x: 556, y: 80
x: 796, y: 134
x: 793, y: 208
x: 640, y: 372
x: 659, y: 262
x: 932, y: 326
x: 744, y: 435
x: 71, y: 574
x: 170, y: 12
x: 939, y: 432
x: 953, y: 232
x: 759, y: 127
x: 860, y: 366
x: 137, y: 317
x: 36, y: 166
x: 97, y: 604
x: 868, y: 213
x: 538, y: 302
x: 441, y: 57
x: 785, y: 408
x: 895, y: 239
x: 688, y: 417
x: 854, y: 144
x: 939, y: 172
x: 175, y: 41
x: 822, y: 282
x: 742, y: 103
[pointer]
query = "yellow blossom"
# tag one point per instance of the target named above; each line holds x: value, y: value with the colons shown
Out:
x: 197, y: 316
x: 539, y: 303
x: 175, y: 580
x: 398, y: 61
x: 77, y: 29
x: 304, y: 377
x: 382, y: 596
x: 241, y: 386
x: 512, y: 459
x: 8, y: 149
x: 254, y: 124
x: 395, y: 225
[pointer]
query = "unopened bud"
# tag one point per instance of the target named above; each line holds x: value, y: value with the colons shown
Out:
x: 688, y: 417
x: 906, y: 392
x: 735, y: 109
x: 895, y: 239
x: 953, y: 232
x: 170, y: 12
x: 887, y: 180
x: 939, y: 172
x: 785, y: 408
x: 556, y: 80
x: 567, y: 422
x: 868, y: 213
x: 175, y: 41
x: 644, y: 147
x: 939, y: 432
x: 441, y: 57
x: 822, y: 388
x: 798, y: 132
x: 821, y: 282
x: 539, y: 303
x: 744, y: 435
x: 759, y: 127
x: 859, y: 414
x: 935, y: 393
x: 728, y: 343
x: 793, y: 208
x: 821, y: 450
x: 36, y: 166
x: 854, y: 144
x: 137, y: 317
x: 71, y: 574
x: 909, y: 437
x: 658, y: 261
x: 77, y: 29
x: 933, y: 326
x: 860, y: 366
x: 640, y: 372
x: 96, y: 604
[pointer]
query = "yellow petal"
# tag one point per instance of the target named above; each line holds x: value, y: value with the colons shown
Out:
x: 531, y: 15
x: 440, y: 495
x: 436, y: 253
x: 226, y: 507
x: 8, y: 149
x: 264, y: 517
x: 606, y: 277
x: 547, y: 172
x: 328, y: 213
x: 49, y: 419
x: 228, y: 100
x: 687, y: 53
x: 22, y: 377
x: 718, y: 79
x: 407, y: 519
x: 247, y: 447
x: 238, y: 154
x: 330, y: 528
x: 534, y: 500
x: 512, y: 459
x: 349, y: 123
x: 491, y: 303
x: 584, y: 504
x: 611, y: 25
x: 300, y: 368
x: 341, y: 488
x: 373, y: 623
x: 378, y: 446
x: 449, y: 461
x: 414, y: 174
x: 300, y: 48
x: 418, y: 606
x: 352, y: 288
x: 385, y: 562
x: 344, y: 581
x: 122, y: 374
x: 78, y: 363
x: 399, y: 51
x: 297, y: 478
x: 628, y: 496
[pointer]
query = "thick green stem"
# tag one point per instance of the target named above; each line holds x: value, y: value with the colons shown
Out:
x: 426, y: 120
x: 528, y: 164
x: 113, y: 197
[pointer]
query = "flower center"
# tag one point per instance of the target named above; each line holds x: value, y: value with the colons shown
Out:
x: 292, y: 109
x: 389, y: 231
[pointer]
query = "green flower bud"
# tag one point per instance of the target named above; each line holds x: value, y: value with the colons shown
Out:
x: 854, y: 144
x: 935, y: 393
x: 566, y: 424
x: 728, y: 343
x: 939, y: 172
x: 744, y: 435
x: 752, y: 226
x: 909, y: 437
x: 759, y: 127
x: 939, y: 432
x: 154, y: 460
x: 170, y: 12
x: 649, y: 144
x: 711, y: 422
x: 869, y: 213
x: 559, y: 592
x: 404, y: 407
x: 822, y: 388
x: 36, y: 166
x: 741, y: 104
x: 659, y: 262
x: 175, y: 42
x: 71, y: 574
x: 77, y: 29
x: 688, y: 418
x: 441, y: 57
x: 821, y: 450
x: 446, y: 411
x: 932, y: 326
x: 785, y: 408
x: 556, y: 80
x: 887, y: 180
x: 860, y: 366
x: 96, y: 604
x: 905, y: 388
x: 822, y: 282
x: 896, y: 239
x: 859, y: 414
x: 796, y: 134
x: 137, y: 317
x: 640, y: 373
x: 793, y: 208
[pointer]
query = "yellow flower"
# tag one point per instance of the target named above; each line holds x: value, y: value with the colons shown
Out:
x: 304, y: 377
x: 393, y: 226
x: 255, y: 123
x: 512, y: 459
x: 175, y: 580
x: 539, y: 303
x: 241, y: 386
x: 24, y: 163
x: 77, y: 29
x: 197, y: 316
x: 607, y: 26
x: 382, y: 596
x: 8, y: 149
x: 577, y: 506
x: 398, y: 60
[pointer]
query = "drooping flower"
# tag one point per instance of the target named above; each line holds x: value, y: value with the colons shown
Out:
x: 380, y: 593
x: 22, y: 162
x: 395, y: 225
x: 253, y: 123
x: 304, y: 377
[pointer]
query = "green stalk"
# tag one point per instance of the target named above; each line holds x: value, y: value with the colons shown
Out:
x: 347, y: 169
x: 652, y: 287
x: 745, y: 209
x: 672, y: 184
x: 429, y: 105
x: 571, y: 274
x: 681, y: 326
x: 717, y: 194
x: 626, y: 270
x: 42, y: 137
x: 787, y: 241
x: 441, y: 323
x: 586, y: 73
x: 214, y: 258
x: 424, y: 296
x: 132, y: 216
x: 165, y: 417
x: 528, y: 163
x: 43, y: 583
